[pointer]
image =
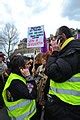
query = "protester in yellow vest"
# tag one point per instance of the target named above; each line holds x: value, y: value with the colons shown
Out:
x: 63, y: 71
x: 19, y: 93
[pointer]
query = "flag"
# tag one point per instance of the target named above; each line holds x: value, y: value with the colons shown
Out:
x: 44, y: 49
x: 78, y: 36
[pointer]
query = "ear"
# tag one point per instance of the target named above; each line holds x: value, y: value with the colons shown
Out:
x: 20, y: 68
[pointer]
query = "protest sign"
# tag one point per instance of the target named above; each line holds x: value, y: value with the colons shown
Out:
x: 35, y: 37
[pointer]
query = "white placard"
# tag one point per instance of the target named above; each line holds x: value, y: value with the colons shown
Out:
x: 35, y: 37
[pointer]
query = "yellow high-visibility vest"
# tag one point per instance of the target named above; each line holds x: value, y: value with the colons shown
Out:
x: 68, y: 91
x: 22, y: 109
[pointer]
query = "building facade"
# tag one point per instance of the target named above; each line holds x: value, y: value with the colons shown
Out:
x: 22, y: 48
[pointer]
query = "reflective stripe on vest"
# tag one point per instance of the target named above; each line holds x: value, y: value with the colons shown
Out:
x: 23, y: 108
x: 68, y: 91
x: 22, y: 104
x: 24, y: 116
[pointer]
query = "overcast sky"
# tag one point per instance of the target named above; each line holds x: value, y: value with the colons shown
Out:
x: 50, y: 13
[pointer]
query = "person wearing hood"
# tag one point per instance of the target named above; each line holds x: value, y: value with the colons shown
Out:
x: 63, y: 71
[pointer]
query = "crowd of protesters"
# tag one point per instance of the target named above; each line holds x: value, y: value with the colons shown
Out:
x: 23, y: 78
x: 48, y: 83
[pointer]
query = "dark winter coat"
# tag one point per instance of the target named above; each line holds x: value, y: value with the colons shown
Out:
x: 62, y: 65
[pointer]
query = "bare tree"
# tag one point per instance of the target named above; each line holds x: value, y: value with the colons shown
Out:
x: 9, y: 38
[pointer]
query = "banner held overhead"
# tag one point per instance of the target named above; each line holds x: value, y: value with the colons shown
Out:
x: 35, y: 37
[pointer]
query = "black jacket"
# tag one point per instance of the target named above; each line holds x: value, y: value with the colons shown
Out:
x: 19, y: 90
x: 60, y: 67
x: 65, y: 63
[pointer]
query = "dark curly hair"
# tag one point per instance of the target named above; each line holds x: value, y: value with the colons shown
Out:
x: 65, y: 30
x: 16, y: 62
